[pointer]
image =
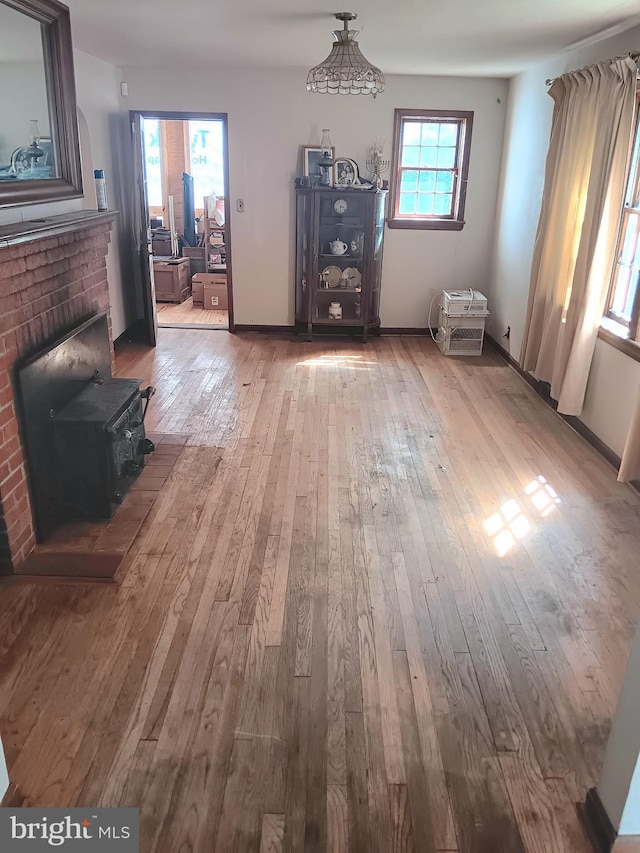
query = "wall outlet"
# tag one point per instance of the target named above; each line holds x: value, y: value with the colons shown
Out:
x: 240, y: 205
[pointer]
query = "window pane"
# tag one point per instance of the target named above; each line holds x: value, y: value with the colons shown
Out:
x: 152, y: 164
x: 430, y: 133
x: 207, y: 161
x: 633, y: 173
x: 407, y: 203
x: 442, y: 206
x: 410, y: 155
x: 429, y: 156
x: 408, y: 182
x: 625, y: 283
x: 425, y: 203
x: 446, y: 158
x: 631, y: 292
x: 411, y: 133
x: 444, y: 182
x: 427, y: 182
x: 448, y: 134
x: 629, y: 253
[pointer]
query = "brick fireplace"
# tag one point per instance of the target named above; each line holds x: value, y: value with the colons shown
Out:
x: 53, y: 276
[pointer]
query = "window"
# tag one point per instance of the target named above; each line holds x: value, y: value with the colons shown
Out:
x: 623, y: 305
x: 207, y: 158
x: 153, y: 162
x: 430, y: 167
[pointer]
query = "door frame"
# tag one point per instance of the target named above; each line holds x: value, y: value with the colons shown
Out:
x: 195, y: 115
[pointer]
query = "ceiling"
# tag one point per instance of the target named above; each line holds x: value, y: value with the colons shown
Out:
x: 460, y: 37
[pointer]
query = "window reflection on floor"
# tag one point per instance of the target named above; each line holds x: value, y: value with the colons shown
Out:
x: 509, y: 524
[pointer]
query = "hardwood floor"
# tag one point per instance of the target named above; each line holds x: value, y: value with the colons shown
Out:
x: 185, y: 313
x: 383, y: 604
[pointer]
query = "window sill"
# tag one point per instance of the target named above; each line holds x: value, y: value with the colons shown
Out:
x: 614, y: 334
x: 427, y: 224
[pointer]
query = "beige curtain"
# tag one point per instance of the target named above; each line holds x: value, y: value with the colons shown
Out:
x: 584, y: 190
x: 630, y: 465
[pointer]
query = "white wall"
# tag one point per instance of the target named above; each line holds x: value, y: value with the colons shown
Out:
x: 611, y: 395
x: 4, y: 774
x: 619, y: 785
x: 271, y: 115
x: 615, y: 378
x: 98, y: 97
x: 630, y: 822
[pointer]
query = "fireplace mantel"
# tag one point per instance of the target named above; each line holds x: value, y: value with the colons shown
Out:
x: 52, y: 226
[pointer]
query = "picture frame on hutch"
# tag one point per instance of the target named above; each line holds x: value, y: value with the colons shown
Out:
x: 345, y: 172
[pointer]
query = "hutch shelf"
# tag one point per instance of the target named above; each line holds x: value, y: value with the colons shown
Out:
x: 339, y: 240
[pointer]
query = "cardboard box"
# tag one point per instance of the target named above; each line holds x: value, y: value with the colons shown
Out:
x: 197, y: 289
x: 215, y: 296
x: 198, y: 282
x: 210, y: 278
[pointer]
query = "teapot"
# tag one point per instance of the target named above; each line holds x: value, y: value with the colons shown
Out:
x: 338, y: 247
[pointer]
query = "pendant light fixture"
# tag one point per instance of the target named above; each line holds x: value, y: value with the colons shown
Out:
x: 345, y: 71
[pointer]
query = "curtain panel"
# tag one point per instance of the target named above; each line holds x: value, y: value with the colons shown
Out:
x: 630, y: 463
x: 585, y: 175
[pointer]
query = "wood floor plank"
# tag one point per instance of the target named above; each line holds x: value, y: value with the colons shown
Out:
x: 352, y: 621
x: 272, y: 833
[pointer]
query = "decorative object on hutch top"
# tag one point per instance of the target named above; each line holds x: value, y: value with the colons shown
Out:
x: 345, y: 71
x: 376, y: 164
x: 39, y: 154
x: 339, y: 241
x: 346, y: 173
x: 316, y: 166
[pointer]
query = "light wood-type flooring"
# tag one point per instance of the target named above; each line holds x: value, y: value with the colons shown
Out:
x: 384, y: 603
x: 184, y: 313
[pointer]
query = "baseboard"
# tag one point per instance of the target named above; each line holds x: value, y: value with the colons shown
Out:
x: 542, y: 389
x: 597, y: 443
x: 12, y: 798
x: 318, y: 330
x: 135, y: 333
x: 265, y: 330
x: 596, y: 821
x: 409, y: 330
x: 506, y: 355
x: 217, y: 327
x: 627, y: 844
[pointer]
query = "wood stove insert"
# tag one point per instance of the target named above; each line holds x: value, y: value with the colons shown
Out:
x: 83, y: 429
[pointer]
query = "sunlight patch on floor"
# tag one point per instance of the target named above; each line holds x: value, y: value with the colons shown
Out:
x: 509, y: 524
x: 352, y: 361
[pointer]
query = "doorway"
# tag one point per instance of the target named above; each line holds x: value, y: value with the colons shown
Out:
x: 184, y: 228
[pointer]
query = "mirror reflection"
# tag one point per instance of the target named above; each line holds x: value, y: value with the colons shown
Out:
x: 26, y: 151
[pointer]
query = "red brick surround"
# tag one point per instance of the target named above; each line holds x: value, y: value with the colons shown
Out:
x: 48, y: 285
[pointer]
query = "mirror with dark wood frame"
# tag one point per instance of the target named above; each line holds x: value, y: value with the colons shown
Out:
x: 39, y: 148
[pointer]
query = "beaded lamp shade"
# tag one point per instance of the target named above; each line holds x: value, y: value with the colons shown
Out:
x: 346, y: 71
